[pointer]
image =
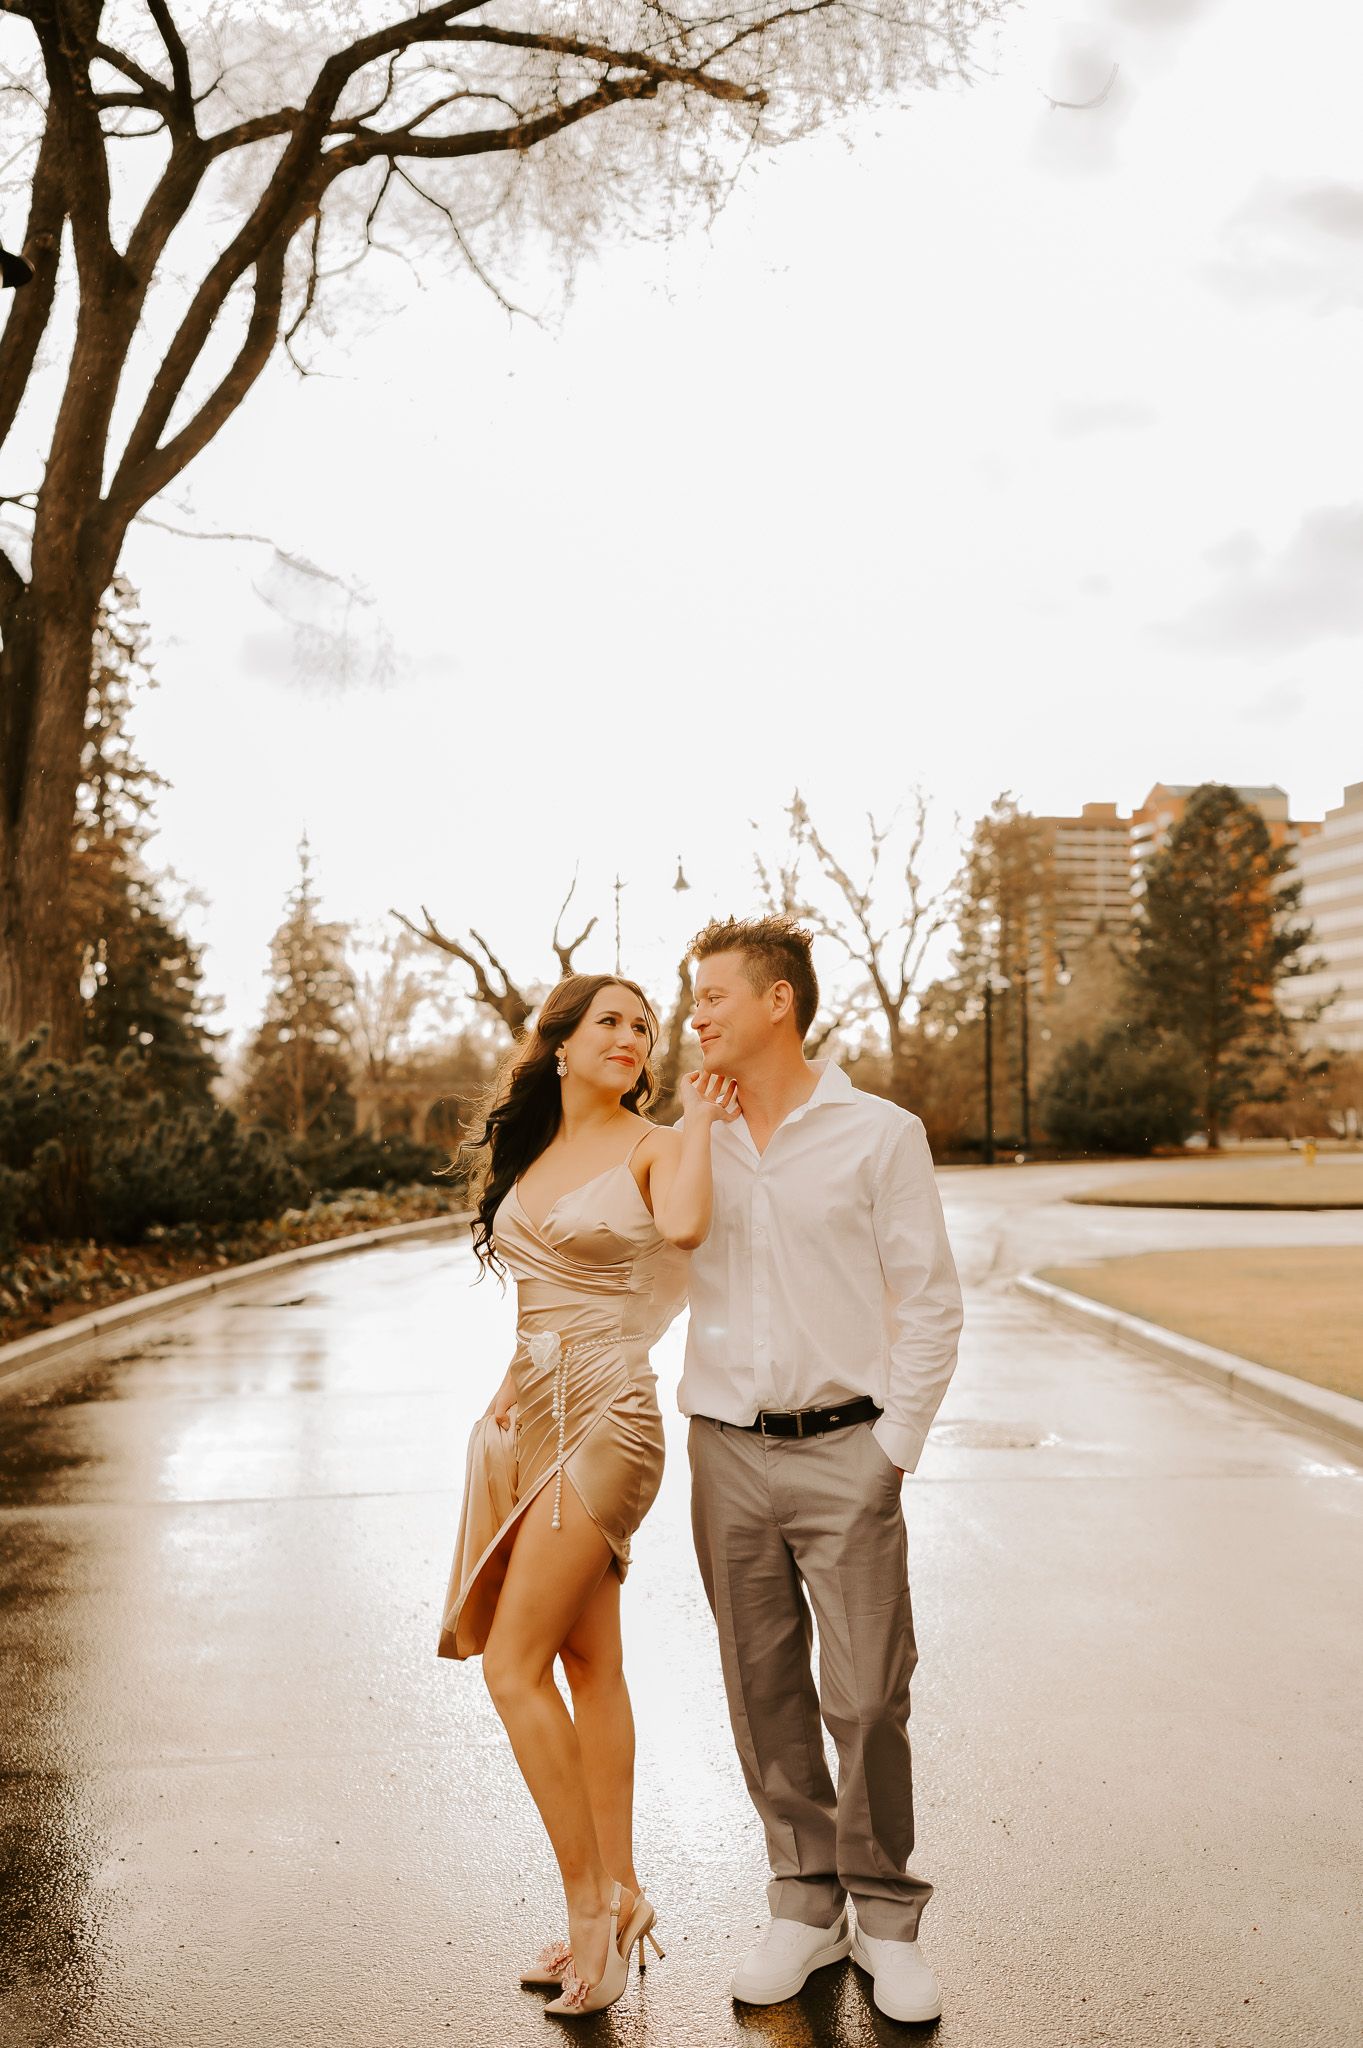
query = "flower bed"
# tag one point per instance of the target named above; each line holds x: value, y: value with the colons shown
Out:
x: 45, y: 1284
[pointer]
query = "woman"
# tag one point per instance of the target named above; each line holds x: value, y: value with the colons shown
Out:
x: 591, y: 1208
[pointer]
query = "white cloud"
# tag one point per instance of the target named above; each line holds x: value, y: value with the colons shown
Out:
x: 1074, y: 419
x: 1276, y: 705
x: 1298, y: 240
x: 1311, y: 591
x: 1160, y: 14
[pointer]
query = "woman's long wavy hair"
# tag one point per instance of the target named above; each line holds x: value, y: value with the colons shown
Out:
x: 524, y: 1105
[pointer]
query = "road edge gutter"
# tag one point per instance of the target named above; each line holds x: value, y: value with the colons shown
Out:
x: 28, y: 1357
x: 1337, y: 1416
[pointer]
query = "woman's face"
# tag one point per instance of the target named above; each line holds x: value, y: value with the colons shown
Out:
x: 610, y: 1045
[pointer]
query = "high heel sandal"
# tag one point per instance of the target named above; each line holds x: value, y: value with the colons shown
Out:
x: 638, y: 1929
x: 578, y: 1998
x: 552, y: 1960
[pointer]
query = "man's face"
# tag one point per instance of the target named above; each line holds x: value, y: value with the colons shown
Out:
x: 732, y: 1022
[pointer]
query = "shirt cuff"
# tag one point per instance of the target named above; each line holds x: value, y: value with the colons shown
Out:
x: 902, y: 1445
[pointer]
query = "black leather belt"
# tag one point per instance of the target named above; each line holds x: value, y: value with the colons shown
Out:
x: 814, y: 1421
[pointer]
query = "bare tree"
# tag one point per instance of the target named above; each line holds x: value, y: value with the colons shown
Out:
x: 390, y: 986
x: 492, y: 984
x: 288, y: 142
x: 782, y: 893
x: 884, y: 925
x: 669, y: 1068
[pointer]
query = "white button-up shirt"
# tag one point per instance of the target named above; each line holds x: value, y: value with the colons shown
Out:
x: 826, y: 1273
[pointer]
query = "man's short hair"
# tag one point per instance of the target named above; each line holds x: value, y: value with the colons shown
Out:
x: 773, y: 949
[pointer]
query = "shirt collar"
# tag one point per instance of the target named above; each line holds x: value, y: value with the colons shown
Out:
x: 832, y: 1087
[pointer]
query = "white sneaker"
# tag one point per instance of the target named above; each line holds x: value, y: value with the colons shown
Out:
x: 904, y: 1988
x: 776, y: 1966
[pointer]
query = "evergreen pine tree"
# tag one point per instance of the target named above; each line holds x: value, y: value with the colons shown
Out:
x: 1217, y: 932
x: 297, y: 1069
x: 139, y: 974
x: 1006, y: 911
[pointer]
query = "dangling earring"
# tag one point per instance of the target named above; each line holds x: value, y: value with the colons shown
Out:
x: 561, y: 1065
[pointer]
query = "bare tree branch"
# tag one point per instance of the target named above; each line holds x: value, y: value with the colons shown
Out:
x: 182, y: 85
x: 565, y: 952
x: 507, y: 1001
x: 298, y: 564
x: 1083, y: 106
x: 888, y: 948
x: 162, y: 465
x: 67, y: 53
x: 31, y: 308
x: 151, y: 91
x: 483, y: 276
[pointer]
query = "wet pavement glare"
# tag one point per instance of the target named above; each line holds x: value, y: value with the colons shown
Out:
x: 243, y: 1802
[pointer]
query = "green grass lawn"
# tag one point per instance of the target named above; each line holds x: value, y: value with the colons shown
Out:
x: 1217, y: 1184
x: 1299, y: 1309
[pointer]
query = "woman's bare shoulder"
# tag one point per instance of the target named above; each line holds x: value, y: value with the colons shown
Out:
x: 657, y: 1142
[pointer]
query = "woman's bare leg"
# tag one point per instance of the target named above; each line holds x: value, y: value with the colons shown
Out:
x: 605, y: 1724
x: 551, y: 1577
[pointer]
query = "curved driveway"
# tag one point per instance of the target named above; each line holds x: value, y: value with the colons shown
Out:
x: 243, y: 1803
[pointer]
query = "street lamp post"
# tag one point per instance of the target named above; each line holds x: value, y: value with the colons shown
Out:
x: 989, y: 1071
x: 1023, y: 988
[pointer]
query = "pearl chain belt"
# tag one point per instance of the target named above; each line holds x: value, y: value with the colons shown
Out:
x: 549, y: 1352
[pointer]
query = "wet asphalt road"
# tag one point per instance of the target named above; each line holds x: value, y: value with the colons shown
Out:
x: 242, y: 1802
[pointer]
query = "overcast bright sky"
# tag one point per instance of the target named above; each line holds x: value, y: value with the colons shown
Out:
x: 979, y: 445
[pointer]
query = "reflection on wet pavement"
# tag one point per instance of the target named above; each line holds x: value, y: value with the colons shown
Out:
x: 243, y: 1802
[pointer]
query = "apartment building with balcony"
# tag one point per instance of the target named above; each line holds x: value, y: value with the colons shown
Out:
x: 1331, y: 867
x: 1091, y: 862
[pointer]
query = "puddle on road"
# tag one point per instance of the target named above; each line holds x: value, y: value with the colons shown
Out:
x: 989, y: 1436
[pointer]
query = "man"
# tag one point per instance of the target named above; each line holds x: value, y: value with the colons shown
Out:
x: 825, y: 1312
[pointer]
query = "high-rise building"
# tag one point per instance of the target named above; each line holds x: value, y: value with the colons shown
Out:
x: 1091, y: 861
x: 1167, y: 801
x: 1331, y: 868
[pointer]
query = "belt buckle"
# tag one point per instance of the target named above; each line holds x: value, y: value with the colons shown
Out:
x: 799, y: 1422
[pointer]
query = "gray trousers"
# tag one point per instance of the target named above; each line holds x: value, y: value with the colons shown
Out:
x: 776, y: 1519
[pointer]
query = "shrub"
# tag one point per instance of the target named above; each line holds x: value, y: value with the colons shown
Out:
x: 86, y: 1152
x: 15, y: 1190
x: 361, y: 1161
x: 190, y: 1167
x: 1117, y: 1095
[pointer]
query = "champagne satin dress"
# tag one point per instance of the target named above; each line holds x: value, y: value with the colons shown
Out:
x: 597, y: 1286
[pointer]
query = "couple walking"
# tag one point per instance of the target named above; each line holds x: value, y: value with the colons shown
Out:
x: 802, y: 1217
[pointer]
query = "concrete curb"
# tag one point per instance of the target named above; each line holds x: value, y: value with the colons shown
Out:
x: 1337, y: 1416
x: 1239, y: 1208
x: 28, y: 1357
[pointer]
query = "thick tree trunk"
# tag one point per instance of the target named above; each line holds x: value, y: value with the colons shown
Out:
x: 44, y: 688
x: 668, y: 1072
x: 902, y: 1062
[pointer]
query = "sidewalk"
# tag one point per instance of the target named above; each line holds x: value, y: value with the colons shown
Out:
x: 245, y: 1804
